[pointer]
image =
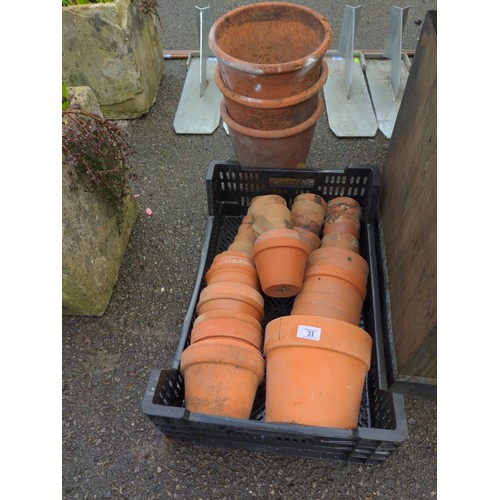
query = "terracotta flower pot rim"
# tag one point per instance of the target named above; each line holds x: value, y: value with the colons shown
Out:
x: 285, y: 102
x: 224, y: 351
x: 355, y: 341
x: 273, y: 134
x: 261, y: 69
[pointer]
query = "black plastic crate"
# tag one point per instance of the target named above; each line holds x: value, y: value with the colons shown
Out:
x: 382, y: 425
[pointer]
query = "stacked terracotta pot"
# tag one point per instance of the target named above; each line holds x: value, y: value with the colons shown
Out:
x: 319, y: 350
x: 270, y: 72
x: 279, y: 253
x: 223, y: 366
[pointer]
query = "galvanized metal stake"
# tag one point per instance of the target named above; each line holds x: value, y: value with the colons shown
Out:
x: 394, y: 46
x: 346, y: 43
x: 204, y: 22
x: 198, y: 110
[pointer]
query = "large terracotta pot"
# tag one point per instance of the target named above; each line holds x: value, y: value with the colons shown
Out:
x: 315, y: 371
x: 270, y: 50
x: 272, y: 114
x: 283, y: 148
x: 232, y: 296
x: 280, y: 257
x: 221, y: 376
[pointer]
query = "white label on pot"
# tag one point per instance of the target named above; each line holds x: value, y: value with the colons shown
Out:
x: 308, y: 332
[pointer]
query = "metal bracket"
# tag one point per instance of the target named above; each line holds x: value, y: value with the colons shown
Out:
x: 387, y: 78
x: 347, y: 100
x: 198, y: 111
x: 394, y: 46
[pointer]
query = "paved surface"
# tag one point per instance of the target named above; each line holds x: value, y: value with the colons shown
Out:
x: 110, y: 449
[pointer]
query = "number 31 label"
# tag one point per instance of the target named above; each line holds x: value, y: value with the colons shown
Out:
x: 308, y: 332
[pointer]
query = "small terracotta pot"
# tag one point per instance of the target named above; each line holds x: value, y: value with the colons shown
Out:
x: 315, y: 371
x: 245, y: 233
x: 241, y: 246
x: 229, y: 314
x: 226, y: 327
x: 221, y: 377
x: 272, y: 114
x: 331, y: 298
x: 338, y: 263
x: 283, y: 148
x: 312, y: 239
x: 340, y: 227
x: 272, y: 210
x: 344, y: 204
x: 263, y: 224
x: 262, y: 200
x: 309, y: 215
x: 342, y: 240
x: 311, y: 197
x: 229, y: 267
x: 280, y: 258
x: 270, y: 50
x: 345, y: 218
x: 233, y: 296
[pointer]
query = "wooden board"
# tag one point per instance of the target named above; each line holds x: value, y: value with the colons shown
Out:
x: 409, y: 217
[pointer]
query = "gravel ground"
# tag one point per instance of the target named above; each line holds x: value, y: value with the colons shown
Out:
x: 110, y: 448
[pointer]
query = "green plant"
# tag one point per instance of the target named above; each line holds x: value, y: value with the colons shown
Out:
x: 97, y: 148
x: 65, y: 98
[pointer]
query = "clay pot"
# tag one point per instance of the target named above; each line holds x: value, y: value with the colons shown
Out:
x: 311, y: 197
x: 313, y: 241
x: 283, y: 148
x: 262, y: 200
x: 308, y: 215
x: 241, y: 246
x: 232, y: 296
x: 280, y: 258
x: 221, y: 377
x: 340, y: 227
x: 315, y: 371
x: 344, y: 204
x: 342, y: 240
x: 229, y: 314
x: 272, y: 114
x: 226, y: 327
x: 330, y: 297
x: 270, y: 50
x: 231, y: 266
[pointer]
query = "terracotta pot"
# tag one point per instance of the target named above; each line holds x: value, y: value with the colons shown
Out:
x: 229, y: 314
x: 345, y: 218
x: 263, y: 224
x: 311, y: 197
x: 344, y: 204
x: 221, y: 377
x: 272, y: 114
x: 315, y: 371
x: 342, y: 240
x: 270, y: 50
x: 262, y: 200
x: 340, y: 227
x: 226, y: 327
x: 241, y: 246
x: 230, y: 267
x: 331, y: 298
x: 338, y: 263
x: 232, y: 296
x: 280, y: 258
x: 284, y: 148
x: 313, y: 241
x: 309, y: 215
